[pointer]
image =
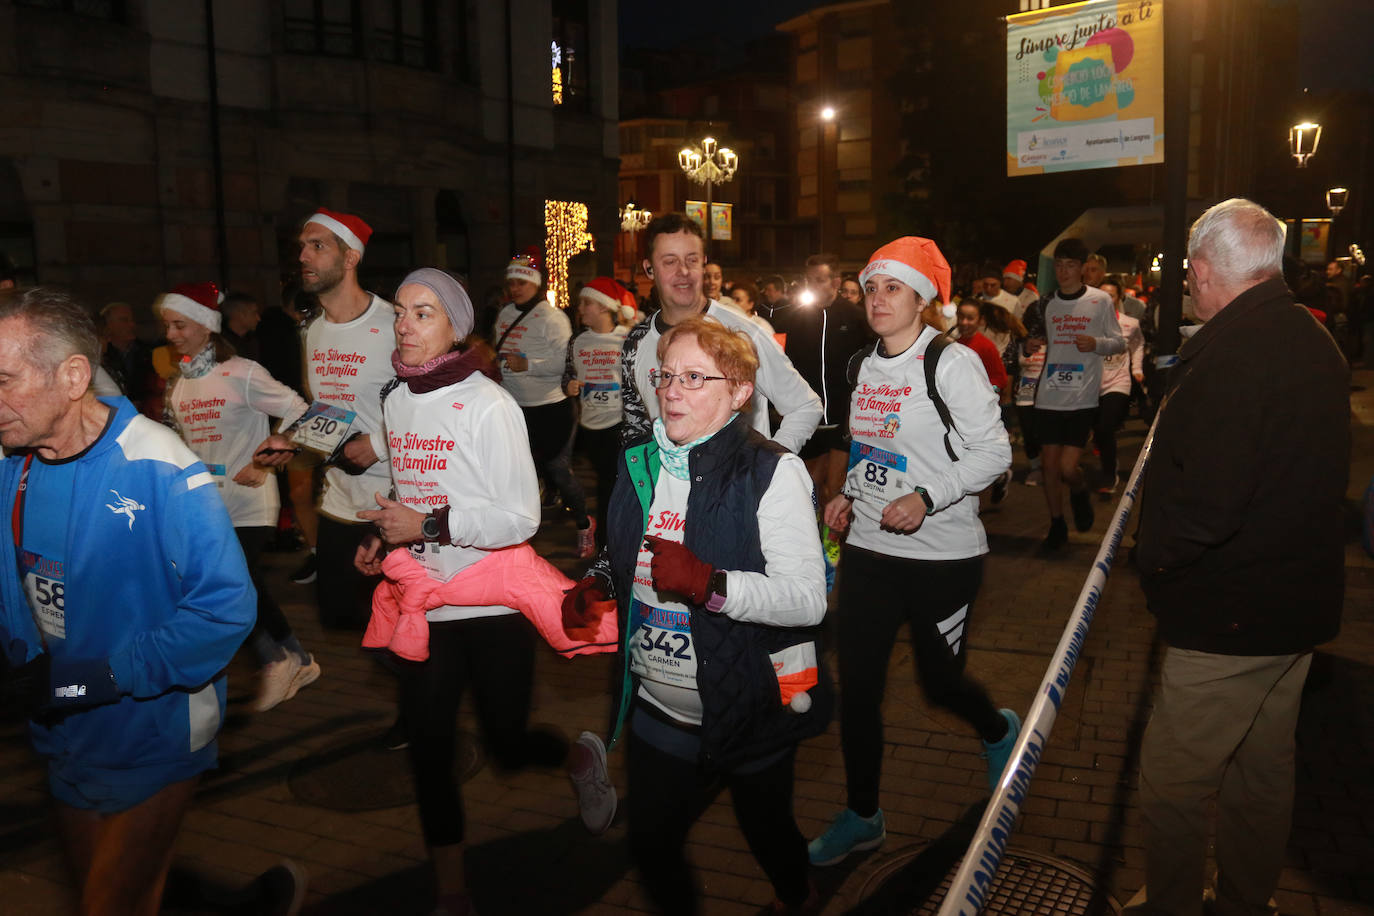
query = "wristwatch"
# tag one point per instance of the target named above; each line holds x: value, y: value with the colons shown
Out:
x: 925, y: 498
x: 434, y: 528
x: 715, y: 598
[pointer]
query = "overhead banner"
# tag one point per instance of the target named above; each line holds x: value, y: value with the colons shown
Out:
x: 722, y: 218
x: 1085, y: 86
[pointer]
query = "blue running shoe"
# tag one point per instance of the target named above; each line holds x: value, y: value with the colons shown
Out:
x: 847, y: 833
x: 998, y: 754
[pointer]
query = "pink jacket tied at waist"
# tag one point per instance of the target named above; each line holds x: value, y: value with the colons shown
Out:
x: 514, y: 577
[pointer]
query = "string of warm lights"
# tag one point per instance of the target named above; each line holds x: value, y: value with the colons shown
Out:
x: 557, y: 74
x: 565, y: 229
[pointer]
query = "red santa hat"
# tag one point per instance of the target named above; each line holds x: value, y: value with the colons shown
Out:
x: 196, y: 301
x: 351, y: 229
x: 628, y: 305
x: 1015, y: 269
x: 915, y: 261
x: 607, y: 293
x: 525, y: 266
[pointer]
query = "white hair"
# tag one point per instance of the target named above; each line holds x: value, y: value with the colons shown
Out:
x: 1240, y: 240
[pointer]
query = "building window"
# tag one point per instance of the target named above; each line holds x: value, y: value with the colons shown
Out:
x: 405, y: 32
x: 109, y: 10
x: 328, y: 27
x: 571, y: 54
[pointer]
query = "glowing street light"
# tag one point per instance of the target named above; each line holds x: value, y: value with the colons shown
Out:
x: 1303, y: 140
x: 828, y: 113
x: 707, y: 165
x: 1336, y: 199
x: 633, y: 219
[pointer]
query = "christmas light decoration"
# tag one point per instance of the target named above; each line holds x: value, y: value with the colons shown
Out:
x: 565, y: 229
x: 557, y: 74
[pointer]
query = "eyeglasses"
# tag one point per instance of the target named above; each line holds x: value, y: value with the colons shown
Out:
x: 689, y: 380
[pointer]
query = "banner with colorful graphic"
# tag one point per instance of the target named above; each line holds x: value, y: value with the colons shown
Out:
x: 722, y: 218
x: 1085, y: 86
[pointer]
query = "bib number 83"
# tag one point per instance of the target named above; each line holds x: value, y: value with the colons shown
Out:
x: 875, y: 473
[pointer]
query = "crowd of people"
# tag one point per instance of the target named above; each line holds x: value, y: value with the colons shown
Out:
x: 751, y: 442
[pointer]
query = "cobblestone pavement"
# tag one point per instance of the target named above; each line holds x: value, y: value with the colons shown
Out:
x: 307, y: 780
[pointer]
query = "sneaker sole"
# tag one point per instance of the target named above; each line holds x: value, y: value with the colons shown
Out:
x: 865, y: 846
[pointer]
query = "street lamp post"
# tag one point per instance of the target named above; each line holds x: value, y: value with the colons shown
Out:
x: 1303, y: 140
x: 1336, y: 199
x: 707, y: 165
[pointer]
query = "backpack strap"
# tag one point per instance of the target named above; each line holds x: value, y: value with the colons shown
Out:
x: 931, y: 361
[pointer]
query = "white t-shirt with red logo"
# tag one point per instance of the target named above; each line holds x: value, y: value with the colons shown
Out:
x: 1118, y: 368
x: 595, y: 359
x: 541, y: 337
x: 1071, y: 379
x: 222, y: 416
x: 898, y: 445
x: 464, y: 446
x: 346, y: 365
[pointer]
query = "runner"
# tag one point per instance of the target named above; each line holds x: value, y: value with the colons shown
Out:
x: 1077, y: 326
x: 1118, y: 371
x: 220, y: 405
x: 592, y: 373
x: 915, y: 548
x: 532, y: 343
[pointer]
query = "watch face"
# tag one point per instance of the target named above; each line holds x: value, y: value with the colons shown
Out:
x: 430, y: 527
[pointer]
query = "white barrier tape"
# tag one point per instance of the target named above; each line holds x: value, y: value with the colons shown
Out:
x: 968, y: 893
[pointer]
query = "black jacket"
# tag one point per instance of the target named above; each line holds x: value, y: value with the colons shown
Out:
x: 820, y: 342
x: 743, y: 718
x: 1240, y: 546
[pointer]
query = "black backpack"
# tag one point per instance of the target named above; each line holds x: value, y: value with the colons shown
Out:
x: 932, y: 359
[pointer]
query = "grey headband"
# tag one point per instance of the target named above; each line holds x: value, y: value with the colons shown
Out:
x: 451, y: 295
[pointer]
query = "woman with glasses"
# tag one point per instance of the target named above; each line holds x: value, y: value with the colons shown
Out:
x: 713, y: 559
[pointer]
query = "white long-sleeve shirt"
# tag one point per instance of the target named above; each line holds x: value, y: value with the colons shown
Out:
x: 222, y: 416
x: 898, y: 445
x: 465, y: 446
x: 541, y: 337
x: 1118, y: 368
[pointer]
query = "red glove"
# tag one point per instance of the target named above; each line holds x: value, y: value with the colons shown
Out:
x: 676, y: 569
x: 579, y: 604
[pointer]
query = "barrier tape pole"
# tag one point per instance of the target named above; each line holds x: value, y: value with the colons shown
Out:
x: 969, y: 890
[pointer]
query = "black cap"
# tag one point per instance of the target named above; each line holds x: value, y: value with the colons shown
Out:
x: 1071, y: 248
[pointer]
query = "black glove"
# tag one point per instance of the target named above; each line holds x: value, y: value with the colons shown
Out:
x: 44, y: 684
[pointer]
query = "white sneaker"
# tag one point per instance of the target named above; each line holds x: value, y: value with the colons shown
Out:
x: 596, y: 799
x: 280, y: 680
x: 307, y: 675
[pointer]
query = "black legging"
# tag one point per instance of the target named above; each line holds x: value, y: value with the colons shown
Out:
x: 668, y: 793
x: 344, y: 594
x: 1111, y: 412
x: 270, y: 616
x: 879, y: 593
x: 1025, y: 417
x: 551, y: 428
x: 495, y: 657
x: 602, y: 447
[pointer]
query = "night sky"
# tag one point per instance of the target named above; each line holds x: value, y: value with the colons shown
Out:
x: 645, y: 25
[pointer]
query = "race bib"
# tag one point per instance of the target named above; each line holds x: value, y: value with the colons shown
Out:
x: 1064, y: 376
x: 662, y: 648
x: 600, y: 392
x: 323, y: 428
x: 876, y: 475
x: 46, y: 589
x: 1025, y: 388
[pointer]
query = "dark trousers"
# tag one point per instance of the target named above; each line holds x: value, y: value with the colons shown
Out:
x: 668, y: 793
x: 1111, y: 413
x: 344, y: 595
x: 494, y: 656
x: 1025, y: 416
x: 270, y: 617
x: 877, y: 595
x: 602, y: 447
x: 551, y: 428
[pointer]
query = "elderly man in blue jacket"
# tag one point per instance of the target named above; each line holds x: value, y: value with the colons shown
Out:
x: 123, y: 594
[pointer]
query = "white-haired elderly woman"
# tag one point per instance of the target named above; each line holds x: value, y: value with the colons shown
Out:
x: 464, y: 485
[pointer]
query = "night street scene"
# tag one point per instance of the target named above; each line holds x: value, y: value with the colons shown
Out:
x: 770, y: 457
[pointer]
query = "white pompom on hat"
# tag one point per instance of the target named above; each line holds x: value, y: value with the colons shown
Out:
x: 197, y: 301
